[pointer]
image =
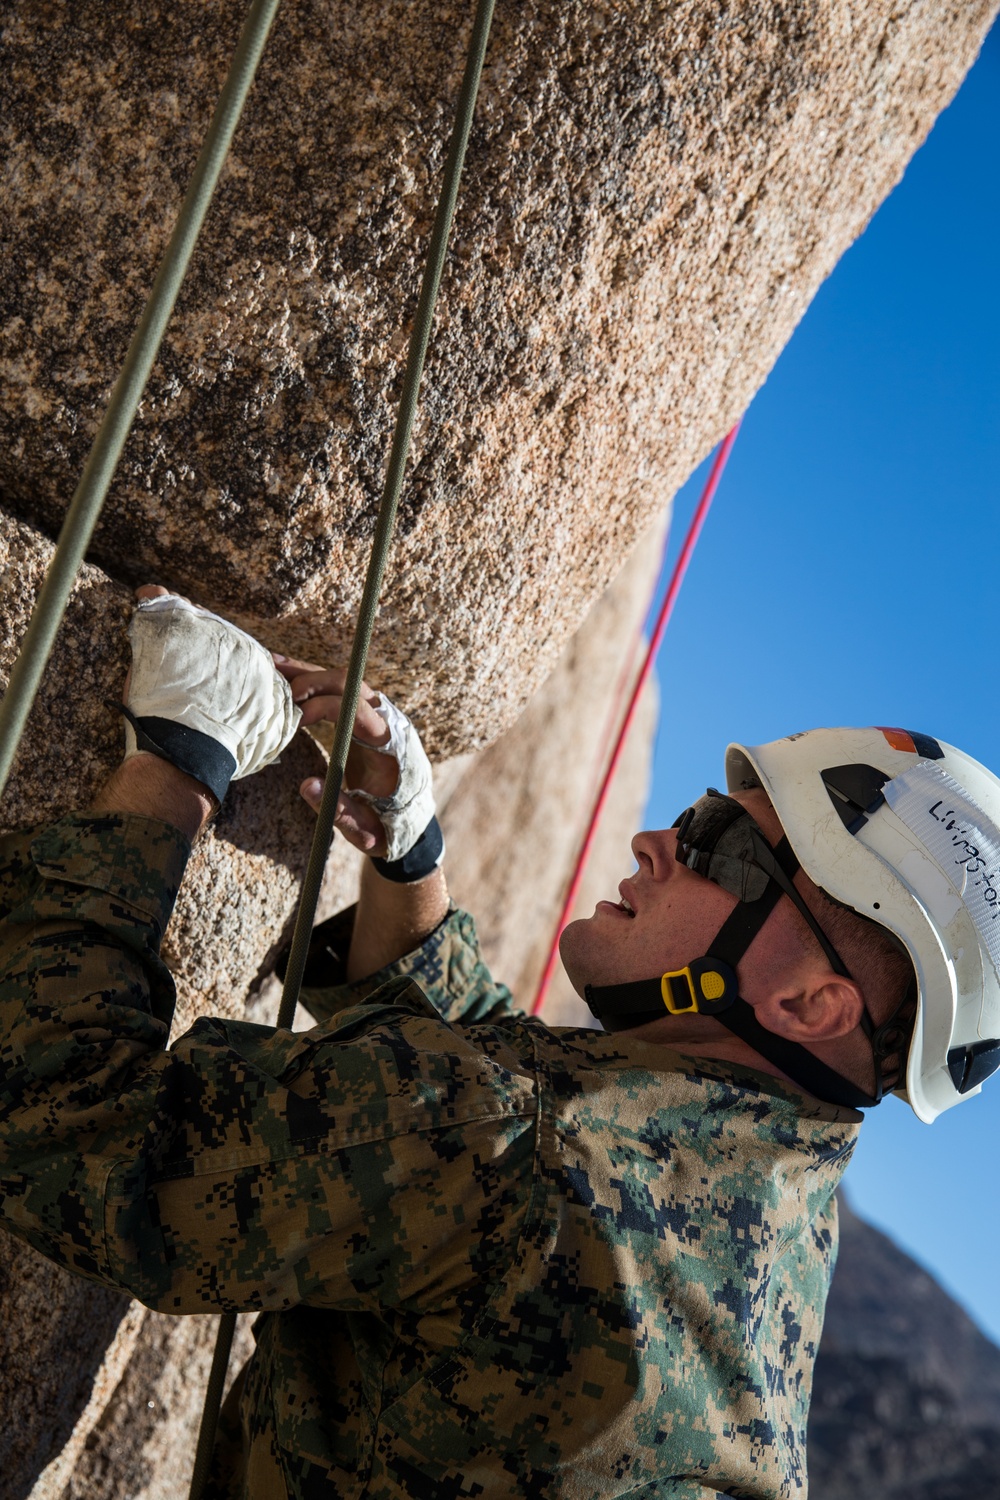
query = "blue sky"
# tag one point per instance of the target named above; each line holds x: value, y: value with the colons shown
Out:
x: 848, y: 575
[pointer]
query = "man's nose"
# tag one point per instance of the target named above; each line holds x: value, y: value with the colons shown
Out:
x: 655, y: 850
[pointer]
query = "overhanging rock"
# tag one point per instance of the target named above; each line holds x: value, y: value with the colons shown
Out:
x: 654, y: 192
x: 243, y: 879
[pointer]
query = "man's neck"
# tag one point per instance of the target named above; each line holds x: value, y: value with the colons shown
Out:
x: 700, y: 1036
x: 703, y: 1036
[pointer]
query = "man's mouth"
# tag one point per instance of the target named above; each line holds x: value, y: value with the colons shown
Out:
x: 625, y: 904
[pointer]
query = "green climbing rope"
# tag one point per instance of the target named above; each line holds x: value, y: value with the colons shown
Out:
x: 85, y: 507
x: 381, y: 542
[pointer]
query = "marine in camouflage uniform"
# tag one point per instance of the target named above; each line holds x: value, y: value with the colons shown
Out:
x: 491, y: 1258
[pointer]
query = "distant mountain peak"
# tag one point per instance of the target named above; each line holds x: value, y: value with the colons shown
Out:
x: 906, y: 1399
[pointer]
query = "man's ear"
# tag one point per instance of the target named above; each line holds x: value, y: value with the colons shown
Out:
x: 829, y: 1007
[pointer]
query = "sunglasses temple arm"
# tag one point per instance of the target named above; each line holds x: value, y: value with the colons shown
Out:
x: 774, y: 869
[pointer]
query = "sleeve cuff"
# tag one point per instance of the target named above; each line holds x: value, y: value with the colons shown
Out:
x: 447, y: 966
x: 325, y: 989
x: 139, y: 861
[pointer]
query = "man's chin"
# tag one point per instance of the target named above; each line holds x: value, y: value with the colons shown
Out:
x: 580, y: 951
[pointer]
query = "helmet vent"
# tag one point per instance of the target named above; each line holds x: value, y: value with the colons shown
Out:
x: 969, y: 1066
x: 855, y: 791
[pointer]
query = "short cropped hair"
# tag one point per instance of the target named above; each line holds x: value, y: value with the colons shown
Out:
x: 878, y: 963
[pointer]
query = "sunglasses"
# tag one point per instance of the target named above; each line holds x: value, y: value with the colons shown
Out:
x: 718, y: 839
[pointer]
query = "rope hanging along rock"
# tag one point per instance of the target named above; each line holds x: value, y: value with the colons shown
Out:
x: 85, y: 508
x: 655, y: 641
x: 398, y: 456
x: 395, y: 469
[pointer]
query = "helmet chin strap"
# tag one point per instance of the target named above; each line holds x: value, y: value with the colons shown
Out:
x: 708, y: 986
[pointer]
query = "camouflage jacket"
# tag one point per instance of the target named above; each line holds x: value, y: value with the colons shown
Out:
x: 492, y: 1259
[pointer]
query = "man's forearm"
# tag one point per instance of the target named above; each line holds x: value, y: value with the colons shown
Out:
x: 154, y: 788
x: 393, y: 919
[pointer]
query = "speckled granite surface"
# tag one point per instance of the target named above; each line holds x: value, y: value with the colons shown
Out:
x: 653, y: 193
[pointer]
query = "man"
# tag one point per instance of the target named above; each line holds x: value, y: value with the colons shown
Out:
x: 492, y: 1259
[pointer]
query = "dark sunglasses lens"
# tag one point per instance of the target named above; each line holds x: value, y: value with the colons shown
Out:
x: 714, y: 838
x: 735, y: 874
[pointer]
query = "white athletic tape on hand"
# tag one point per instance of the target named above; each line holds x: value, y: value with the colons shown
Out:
x: 194, y: 668
x: 405, y: 814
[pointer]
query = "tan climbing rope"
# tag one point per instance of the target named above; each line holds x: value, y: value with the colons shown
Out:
x: 91, y: 492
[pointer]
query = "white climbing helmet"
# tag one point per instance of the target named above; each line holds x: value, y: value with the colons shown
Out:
x: 906, y: 830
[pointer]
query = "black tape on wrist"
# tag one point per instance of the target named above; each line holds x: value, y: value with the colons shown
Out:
x: 196, y: 754
x: 425, y: 856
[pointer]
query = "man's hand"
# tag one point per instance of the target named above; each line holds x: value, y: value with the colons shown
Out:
x: 392, y: 918
x: 150, y: 784
x: 387, y: 774
x: 319, y: 693
x: 203, y: 693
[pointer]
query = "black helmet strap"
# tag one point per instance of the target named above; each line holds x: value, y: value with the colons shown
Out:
x: 708, y: 986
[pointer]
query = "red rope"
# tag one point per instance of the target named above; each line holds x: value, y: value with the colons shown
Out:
x: 662, y: 620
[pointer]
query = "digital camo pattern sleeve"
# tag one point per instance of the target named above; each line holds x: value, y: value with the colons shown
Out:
x: 448, y: 966
x: 244, y: 1168
x: 83, y: 996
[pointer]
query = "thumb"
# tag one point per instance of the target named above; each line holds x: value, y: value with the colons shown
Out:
x: 312, y: 790
x: 358, y: 824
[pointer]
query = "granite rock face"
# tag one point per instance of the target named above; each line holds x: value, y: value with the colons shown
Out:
x: 906, y: 1401
x: 653, y: 194
x: 60, y: 1345
x: 515, y: 822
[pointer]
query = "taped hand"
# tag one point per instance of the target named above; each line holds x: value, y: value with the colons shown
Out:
x: 203, y: 694
x: 387, y: 802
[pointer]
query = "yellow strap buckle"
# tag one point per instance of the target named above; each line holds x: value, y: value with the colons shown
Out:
x: 682, y: 992
x: 677, y: 987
